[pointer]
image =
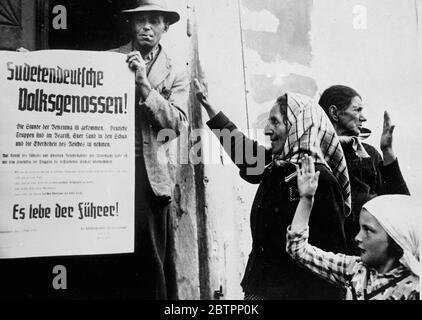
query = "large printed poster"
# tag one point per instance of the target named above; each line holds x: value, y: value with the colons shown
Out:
x: 67, y: 153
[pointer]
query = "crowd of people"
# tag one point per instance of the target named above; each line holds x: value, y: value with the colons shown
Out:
x: 323, y: 185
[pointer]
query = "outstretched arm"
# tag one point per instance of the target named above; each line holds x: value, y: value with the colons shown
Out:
x: 250, y: 157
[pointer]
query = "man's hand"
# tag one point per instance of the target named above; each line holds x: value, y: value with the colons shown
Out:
x: 307, y: 179
x: 137, y: 64
x: 386, y: 143
x: 202, y: 97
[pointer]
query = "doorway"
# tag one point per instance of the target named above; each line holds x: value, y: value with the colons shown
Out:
x: 91, y: 25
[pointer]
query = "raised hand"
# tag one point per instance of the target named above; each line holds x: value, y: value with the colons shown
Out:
x: 307, y: 179
x: 202, y: 97
x: 386, y: 143
x: 387, y: 132
x: 307, y: 183
x: 200, y: 93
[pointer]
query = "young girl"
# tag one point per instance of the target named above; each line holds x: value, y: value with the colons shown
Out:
x: 388, y: 242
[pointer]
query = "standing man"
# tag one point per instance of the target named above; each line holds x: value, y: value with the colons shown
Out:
x: 161, y: 103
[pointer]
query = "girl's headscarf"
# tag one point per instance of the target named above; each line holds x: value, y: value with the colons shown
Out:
x: 399, y: 217
x: 311, y: 132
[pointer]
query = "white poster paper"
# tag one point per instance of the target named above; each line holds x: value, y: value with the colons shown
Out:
x: 67, y: 153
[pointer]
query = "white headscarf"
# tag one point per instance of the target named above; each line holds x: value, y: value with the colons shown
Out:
x: 399, y: 215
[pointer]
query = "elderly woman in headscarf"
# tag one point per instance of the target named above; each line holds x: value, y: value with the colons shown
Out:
x: 388, y: 267
x: 296, y: 126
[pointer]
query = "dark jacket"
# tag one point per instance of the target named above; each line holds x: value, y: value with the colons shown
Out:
x: 369, y: 178
x: 270, y: 272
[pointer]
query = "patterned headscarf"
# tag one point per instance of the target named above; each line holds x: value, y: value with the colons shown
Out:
x: 311, y: 132
x: 399, y: 217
